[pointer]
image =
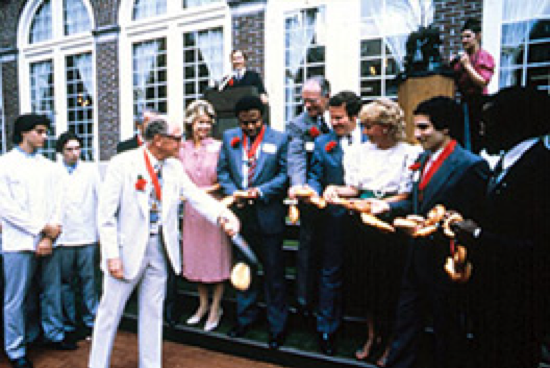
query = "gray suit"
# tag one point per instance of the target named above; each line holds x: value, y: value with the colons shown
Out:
x: 124, y: 232
x: 300, y: 150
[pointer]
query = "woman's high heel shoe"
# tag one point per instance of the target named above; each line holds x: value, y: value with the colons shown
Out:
x: 210, y: 326
x: 197, y: 317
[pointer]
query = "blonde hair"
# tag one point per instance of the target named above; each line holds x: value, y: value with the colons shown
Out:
x: 387, y: 113
x: 196, y: 109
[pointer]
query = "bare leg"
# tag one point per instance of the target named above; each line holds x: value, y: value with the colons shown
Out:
x: 203, y: 305
x: 215, y: 309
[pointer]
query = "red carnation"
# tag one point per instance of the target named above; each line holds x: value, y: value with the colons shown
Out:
x: 230, y: 83
x: 141, y: 183
x: 415, y: 166
x: 235, y: 141
x: 314, y: 132
x: 330, y: 146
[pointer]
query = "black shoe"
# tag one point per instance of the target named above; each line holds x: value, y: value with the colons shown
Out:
x: 65, y: 344
x: 238, y: 331
x: 327, y: 343
x: 276, y: 340
x: 22, y: 362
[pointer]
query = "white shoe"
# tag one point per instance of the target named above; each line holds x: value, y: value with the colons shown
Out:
x: 210, y: 326
x: 196, y: 318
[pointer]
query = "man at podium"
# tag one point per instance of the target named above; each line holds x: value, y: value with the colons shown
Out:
x: 241, y: 76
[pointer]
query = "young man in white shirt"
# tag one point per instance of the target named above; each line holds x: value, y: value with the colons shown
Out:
x: 30, y: 199
x: 78, y: 242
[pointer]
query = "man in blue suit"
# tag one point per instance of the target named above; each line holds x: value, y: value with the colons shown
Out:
x: 326, y: 170
x: 253, y: 160
x: 449, y: 175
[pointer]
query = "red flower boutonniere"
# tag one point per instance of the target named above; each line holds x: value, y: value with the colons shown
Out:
x: 330, y: 146
x: 141, y: 183
x: 415, y: 166
x: 235, y: 142
x: 314, y: 132
x: 230, y: 83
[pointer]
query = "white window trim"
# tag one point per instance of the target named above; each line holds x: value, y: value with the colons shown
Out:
x: 341, y: 49
x: 56, y: 50
x: 171, y: 26
x: 491, y: 37
x: 2, y: 115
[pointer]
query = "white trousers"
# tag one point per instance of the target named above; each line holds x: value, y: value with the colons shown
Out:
x: 151, y: 289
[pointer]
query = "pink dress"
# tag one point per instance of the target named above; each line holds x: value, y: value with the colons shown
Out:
x: 206, y: 250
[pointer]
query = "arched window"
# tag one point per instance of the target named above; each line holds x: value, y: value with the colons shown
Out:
x: 169, y: 62
x: 57, y: 69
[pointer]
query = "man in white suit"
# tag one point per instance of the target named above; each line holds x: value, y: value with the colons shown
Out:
x: 138, y: 214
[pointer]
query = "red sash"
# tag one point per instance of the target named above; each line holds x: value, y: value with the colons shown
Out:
x: 250, y: 153
x: 153, y: 176
x: 449, y: 148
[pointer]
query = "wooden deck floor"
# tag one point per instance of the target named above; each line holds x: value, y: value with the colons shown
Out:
x: 125, y: 356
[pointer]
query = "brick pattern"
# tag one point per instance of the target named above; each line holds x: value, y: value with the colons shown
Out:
x: 248, y: 35
x: 10, y: 93
x: 105, y: 12
x: 9, y: 17
x: 108, y: 101
x: 450, y: 16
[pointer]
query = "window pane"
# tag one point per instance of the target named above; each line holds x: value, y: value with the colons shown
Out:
x: 41, y: 27
x: 80, y: 104
x: 539, y: 53
x: 541, y: 30
x: 371, y: 88
x: 148, y: 8
x: 301, y: 39
x: 150, y: 76
x: 76, y: 17
x: 371, y: 47
x: 42, y: 99
x: 194, y: 3
x: 202, y: 62
x: 539, y: 77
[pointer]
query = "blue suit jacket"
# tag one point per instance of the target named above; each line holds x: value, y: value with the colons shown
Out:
x: 327, y: 166
x: 270, y: 175
x: 459, y: 184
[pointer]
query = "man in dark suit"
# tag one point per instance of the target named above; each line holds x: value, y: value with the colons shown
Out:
x: 253, y: 162
x: 137, y: 140
x: 509, y: 243
x: 302, y: 132
x: 449, y: 175
x: 326, y: 170
x: 241, y: 76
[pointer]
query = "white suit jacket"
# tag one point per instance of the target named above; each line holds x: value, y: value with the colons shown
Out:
x: 123, y: 217
x: 30, y: 197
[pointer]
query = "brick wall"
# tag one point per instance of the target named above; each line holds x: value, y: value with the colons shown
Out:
x: 450, y: 16
x: 10, y: 82
x: 108, y: 102
x: 249, y: 35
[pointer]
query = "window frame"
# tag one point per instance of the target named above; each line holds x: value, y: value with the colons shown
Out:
x: 173, y: 25
x: 55, y: 49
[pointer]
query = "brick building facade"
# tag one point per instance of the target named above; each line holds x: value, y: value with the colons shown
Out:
x: 261, y: 27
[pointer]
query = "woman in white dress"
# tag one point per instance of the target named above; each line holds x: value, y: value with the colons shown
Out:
x: 379, y: 168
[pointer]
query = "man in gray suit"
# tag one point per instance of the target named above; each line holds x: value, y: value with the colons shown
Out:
x: 138, y: 215
x: 302, y: 131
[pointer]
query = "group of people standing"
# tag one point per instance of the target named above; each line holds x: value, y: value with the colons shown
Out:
x: 336, y: 150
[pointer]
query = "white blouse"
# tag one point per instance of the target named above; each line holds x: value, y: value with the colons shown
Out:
x: 367, y: 167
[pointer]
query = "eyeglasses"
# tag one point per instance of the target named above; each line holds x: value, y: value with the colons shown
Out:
x: 250, y: 122
x: 310, y: 100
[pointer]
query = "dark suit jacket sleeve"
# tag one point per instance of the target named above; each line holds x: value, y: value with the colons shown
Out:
x: 317, y: 171
x: 276, y: 187
x: 257, y: 81
x: 224, y: 167
x: 127, y: 145
x: 297, y: 157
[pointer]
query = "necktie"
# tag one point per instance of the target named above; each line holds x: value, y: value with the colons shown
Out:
x: 350, y: 140
x: 323, y: 126
x: 251, y: 170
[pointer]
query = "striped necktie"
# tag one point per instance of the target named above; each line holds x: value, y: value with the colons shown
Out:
x: 251, y: 170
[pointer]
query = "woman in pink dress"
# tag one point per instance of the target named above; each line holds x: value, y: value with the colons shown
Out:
x: 206, y: 250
